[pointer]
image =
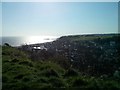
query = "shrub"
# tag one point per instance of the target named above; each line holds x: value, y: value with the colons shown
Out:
x: 20, y: 76
x: 42, y: 80
x: 79, y: 82
x: 26, y: 79
x: 57, y: 82
x: 110, y: 85
x: 4, y: 78
x: 93, y: 84
x: 15, y: 60
x: 50, y: 72
x: 26, y: 63
x: 71, y: 72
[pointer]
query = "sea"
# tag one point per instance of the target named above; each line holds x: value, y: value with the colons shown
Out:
x: 18, y: 41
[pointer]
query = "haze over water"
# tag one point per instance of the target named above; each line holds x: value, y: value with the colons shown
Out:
x: 17, y: 41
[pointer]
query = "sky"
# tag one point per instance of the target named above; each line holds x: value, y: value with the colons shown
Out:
x: 59, y: 0
x: 58, y: 18
x: 0, y: 20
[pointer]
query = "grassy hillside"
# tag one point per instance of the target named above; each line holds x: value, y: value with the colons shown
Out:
x: 89, y: 37
x: 20, y: 72
x: 94, y: 55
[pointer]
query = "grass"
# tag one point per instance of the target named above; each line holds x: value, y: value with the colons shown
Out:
x: 20, y: 72
x: 88, y: 37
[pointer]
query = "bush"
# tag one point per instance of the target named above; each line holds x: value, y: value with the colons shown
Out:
x: 20, y: 76
x: 49, y: 65
x: 15, y: 60
x: 28, y: 63
x: 79, y: 82
x: 110, y: 85
x: 93, y: 84
x: 42, y: 80
x: 57, y: 82
x: 50, y: 72
x: 4, y: 78
x: 71, y: 72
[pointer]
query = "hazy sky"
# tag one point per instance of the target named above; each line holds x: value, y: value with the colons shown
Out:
x: 59, y: 0
x: 60, y: 18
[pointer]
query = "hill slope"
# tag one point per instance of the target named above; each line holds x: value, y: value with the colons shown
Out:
x: 94, y: 55
x: 53, y: 68
x: 20, y: 73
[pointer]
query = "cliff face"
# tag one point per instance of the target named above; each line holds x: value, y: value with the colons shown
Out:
x: 87, y: 61
x: 96, y: 54
x: 92, y: 54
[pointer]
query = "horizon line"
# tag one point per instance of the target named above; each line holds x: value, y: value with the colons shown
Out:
x: 61, y: 35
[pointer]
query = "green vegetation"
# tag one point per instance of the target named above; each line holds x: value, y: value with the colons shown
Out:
x: 23, y: 69
x: 87, y: 37
x: 20, y: 73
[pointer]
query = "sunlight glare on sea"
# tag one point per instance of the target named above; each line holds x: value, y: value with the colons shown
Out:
x: 17, y: 41
x: 39, y: 39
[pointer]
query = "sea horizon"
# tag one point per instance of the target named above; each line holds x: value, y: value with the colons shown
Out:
x: 23, y: 40
x: 26, y: 40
